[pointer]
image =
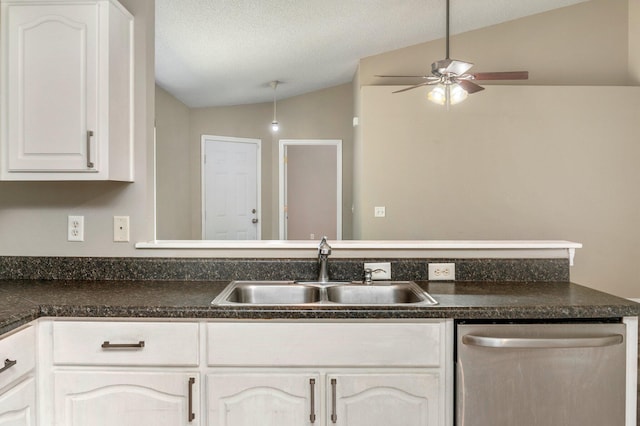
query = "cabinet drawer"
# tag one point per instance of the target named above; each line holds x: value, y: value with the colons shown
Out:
x: 125, y: 343
x: 325, y: 344
x: 19, y: 348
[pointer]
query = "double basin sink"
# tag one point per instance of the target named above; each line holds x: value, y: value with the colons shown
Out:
x: 394, y: 293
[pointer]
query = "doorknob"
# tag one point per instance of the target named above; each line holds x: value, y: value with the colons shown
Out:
x: 254, y: 220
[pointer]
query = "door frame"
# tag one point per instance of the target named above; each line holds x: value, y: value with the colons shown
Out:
x: 213, y: 138
x: 282, y: 143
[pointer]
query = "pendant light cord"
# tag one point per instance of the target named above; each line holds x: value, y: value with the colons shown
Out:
x: 274, y: 101
x: 274, y: 84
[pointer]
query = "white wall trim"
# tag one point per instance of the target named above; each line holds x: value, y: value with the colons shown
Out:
x: 495, y: 249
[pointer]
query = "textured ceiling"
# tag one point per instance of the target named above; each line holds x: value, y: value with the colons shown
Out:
x: 225, y: 52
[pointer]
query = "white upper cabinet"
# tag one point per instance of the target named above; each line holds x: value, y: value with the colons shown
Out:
x: 67, y: 90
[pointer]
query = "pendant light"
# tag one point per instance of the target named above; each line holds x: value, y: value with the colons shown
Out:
x: 275, y: 126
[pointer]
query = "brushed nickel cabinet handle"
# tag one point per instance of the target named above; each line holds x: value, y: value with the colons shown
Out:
x: 107, y: 345
x: 89, y: 136
x: 312, y: 386
x: 334, y: 416
x: 191, y: 415
x: 8, y: 364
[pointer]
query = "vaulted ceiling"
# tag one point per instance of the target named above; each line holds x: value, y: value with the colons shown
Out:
x: 225, y: 52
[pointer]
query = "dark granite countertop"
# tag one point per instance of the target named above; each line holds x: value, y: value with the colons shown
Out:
x: 22, y: 301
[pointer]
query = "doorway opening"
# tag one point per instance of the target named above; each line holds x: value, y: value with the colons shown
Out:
x: 310, y: 189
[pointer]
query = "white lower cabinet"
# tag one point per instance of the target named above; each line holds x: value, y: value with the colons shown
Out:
x: 362, y: 399
x: 265, y: 399
x: 245, y: 373
x: 410, y: 399
x: 349, y: 373
x: 18, y: 404
x: 124, y: 373
x: 17, y: 381
x: 125, y: 398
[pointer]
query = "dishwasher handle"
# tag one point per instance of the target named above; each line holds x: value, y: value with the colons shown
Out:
x: 542, y: 342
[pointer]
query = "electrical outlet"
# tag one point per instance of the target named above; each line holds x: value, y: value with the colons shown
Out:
x: 120, y: 228
x: 75, y: 228
x: 379, y: 271
x: 379, y: 211
x: 442, y: 271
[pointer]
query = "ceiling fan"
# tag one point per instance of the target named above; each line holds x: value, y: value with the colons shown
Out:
x: 452, y: 80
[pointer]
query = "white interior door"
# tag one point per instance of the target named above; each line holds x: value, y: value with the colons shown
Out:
x: 310, y: 189
x: 230, y: 188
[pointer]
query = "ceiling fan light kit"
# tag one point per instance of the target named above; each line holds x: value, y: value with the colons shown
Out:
x: 451, y: 78
x: 447, y: 94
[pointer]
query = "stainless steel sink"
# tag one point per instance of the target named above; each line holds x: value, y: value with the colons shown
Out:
x: 273, y: 294
x: 374, y: 294
x: 393, y: 293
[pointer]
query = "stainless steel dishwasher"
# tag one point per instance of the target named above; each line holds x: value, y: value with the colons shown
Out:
x: 540, y: 374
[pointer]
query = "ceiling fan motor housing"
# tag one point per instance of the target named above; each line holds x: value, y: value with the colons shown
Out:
x: 439, y: 68
x: 450, y: 67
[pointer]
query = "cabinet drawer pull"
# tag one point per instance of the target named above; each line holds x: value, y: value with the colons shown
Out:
x: 89, y: 162
x: 8, y: 364
x: 334, y: 416
x: 107, y: 345
x: 312, y: 386
x: 191, y: 415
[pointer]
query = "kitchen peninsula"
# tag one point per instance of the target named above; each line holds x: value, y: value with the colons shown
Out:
x: 81, y: 312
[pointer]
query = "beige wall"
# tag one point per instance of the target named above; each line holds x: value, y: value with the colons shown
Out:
x: 324, y: 114
x: 33, y: 215
x: 173, y: 198
x: 542, y: 163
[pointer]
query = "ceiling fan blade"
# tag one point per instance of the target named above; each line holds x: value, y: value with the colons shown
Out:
x: 470, y: 86
x: 413, y: 87
x: 424, y: 77
x: 401, y: 76
x: 502, y: 75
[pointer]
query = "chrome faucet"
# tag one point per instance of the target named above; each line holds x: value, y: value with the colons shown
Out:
x: 324, y: 250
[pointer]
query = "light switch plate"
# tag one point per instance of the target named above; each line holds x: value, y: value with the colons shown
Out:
x: 379, y: 211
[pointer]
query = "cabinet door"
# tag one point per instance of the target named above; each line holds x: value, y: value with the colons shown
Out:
x: 383, y: 399
x: 263, y: 399
x: 18, y: 405
x: 86, y: 398
x: 52, y: 86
